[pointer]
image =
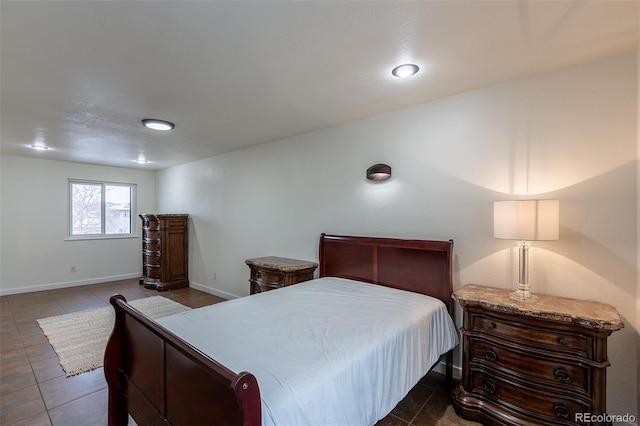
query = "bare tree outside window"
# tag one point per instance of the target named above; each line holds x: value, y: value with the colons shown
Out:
x: 86, y: 208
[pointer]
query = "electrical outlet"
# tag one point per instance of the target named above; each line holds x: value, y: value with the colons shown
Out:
x: 72, y: 269
x: 214, y: 276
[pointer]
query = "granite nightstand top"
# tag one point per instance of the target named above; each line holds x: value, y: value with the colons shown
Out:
x: 281, y: 263
x: 586, y: 313
x: 167, y: 215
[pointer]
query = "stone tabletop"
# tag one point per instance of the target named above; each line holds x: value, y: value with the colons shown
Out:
x: 589, y: 314
x: 281, y: 263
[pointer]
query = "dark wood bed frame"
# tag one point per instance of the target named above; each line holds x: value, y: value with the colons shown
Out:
x: 160, y: 379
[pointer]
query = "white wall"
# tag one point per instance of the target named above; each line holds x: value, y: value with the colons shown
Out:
x: 637, y: 327
x: 34, y: 201
x: 569, y: 134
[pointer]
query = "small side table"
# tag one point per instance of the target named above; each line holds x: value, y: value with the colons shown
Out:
x: 533, y: 362
x: 269, y: 273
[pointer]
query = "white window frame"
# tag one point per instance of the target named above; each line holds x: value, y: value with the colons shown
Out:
x: 132, y: 225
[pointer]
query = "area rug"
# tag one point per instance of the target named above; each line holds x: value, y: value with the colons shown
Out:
x: 80, y: 338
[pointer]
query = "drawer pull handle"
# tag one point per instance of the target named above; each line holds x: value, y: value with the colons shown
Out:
x: 561, y: 374
x: 491, y: 325
x: 491, y: 355
x: 490, y: 387
x: 561, y: 410
x: 563, y: 341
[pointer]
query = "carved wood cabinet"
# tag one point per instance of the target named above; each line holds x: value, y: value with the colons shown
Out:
x: 539, y: 362
x: 165, y: 251
x: 268, y: 273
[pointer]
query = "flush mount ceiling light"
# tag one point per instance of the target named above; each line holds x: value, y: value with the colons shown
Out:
x: 405, y: 70
x: 141, y: 161
x: 40, y: 147
x: 156, y: 124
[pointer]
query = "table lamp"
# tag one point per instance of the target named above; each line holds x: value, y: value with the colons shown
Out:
x: 525, y: 221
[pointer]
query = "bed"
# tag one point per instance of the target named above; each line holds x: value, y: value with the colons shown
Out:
x: 343, y: 360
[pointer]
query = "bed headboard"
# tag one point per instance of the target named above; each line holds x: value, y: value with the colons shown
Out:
x: 420, y: 266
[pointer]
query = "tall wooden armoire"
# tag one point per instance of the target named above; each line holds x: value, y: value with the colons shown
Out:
x: 165, y: 257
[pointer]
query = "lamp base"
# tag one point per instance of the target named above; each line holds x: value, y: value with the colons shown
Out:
x: 523, y: 295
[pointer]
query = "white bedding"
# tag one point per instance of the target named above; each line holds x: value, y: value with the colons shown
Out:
x: 325, y: 352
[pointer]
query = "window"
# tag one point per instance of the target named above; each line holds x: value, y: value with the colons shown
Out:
x: 101, y: 209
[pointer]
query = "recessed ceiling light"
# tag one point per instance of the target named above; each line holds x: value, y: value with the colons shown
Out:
x: 405, y: 70
x: 141, y: 161
x: 40, y: 147
x: 156, y: 124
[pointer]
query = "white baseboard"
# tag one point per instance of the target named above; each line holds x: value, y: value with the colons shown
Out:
x: 213, y: 291
x: 100, y: 280
x: 54, y: 286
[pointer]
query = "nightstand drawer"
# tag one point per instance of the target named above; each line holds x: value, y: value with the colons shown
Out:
x: 268, y: 278
x: 554, y: 340
x: 541, y: 403
x: 531, y: 366
x: 258, y: 287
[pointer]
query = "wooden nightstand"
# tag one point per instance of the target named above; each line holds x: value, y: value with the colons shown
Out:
x: 268, y: 273
x: 537, y: 362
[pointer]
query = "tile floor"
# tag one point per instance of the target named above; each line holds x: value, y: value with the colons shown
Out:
x: 34, y: 390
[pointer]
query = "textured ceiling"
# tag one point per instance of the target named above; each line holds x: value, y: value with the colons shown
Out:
x: 79, y: 76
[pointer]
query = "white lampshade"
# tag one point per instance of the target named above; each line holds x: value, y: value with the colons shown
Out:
x: 529, y: 220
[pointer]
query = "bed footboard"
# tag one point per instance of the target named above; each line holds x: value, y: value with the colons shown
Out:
x: 158, y: 378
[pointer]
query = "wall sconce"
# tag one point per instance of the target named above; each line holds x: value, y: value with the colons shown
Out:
x: 526, y: 220
x: 379, y: 172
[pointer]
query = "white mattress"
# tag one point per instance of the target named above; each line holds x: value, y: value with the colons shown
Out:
x: 325, y: 352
